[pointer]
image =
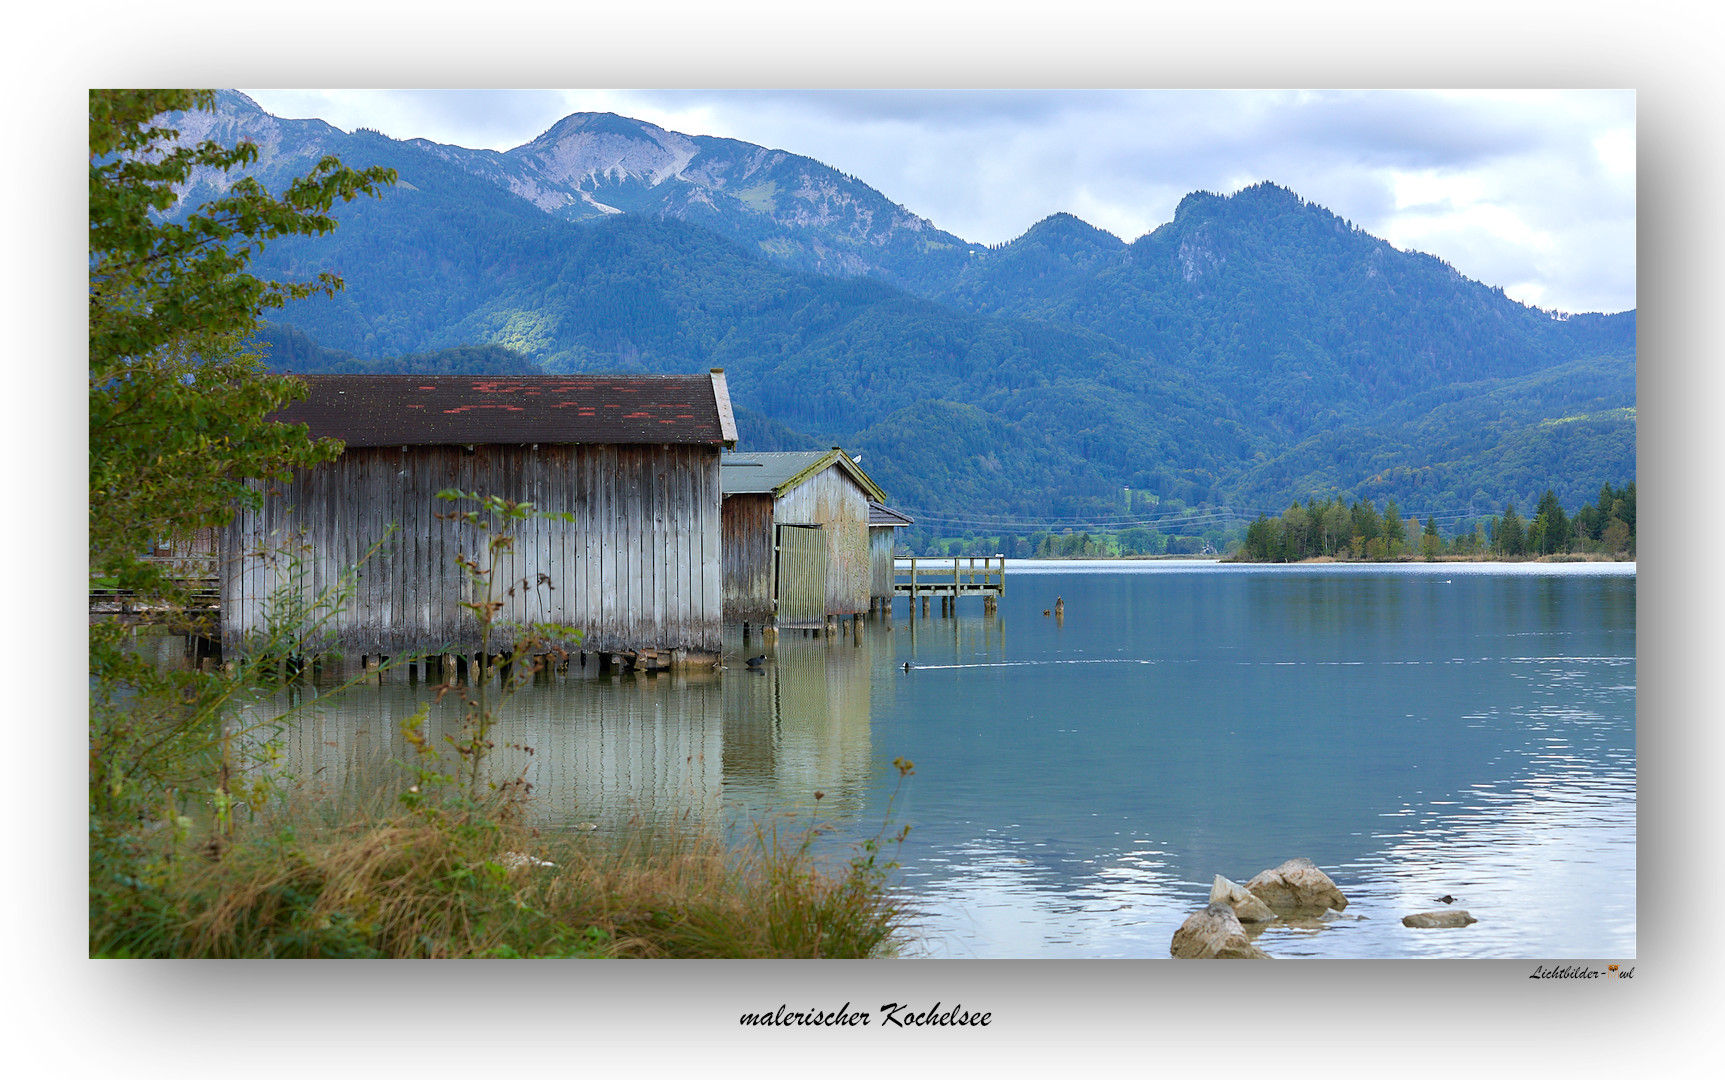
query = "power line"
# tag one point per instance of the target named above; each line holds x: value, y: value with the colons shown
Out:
x: 1207, y: 516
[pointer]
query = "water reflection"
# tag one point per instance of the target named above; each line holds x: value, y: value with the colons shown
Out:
x: 595, y: 749
x: 1079, y: 781
x: 801, y: 725
x: 601, y: 749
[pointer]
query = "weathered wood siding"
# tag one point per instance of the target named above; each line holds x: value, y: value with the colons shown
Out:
x: 746, y: 538
x: 833, y: 500
x: 880, y: 545
x: 638, y: 567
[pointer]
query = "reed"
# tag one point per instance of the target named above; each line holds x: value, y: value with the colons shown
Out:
x: 461, y: 880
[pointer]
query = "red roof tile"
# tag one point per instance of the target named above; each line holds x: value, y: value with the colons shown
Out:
x: 406, y: 410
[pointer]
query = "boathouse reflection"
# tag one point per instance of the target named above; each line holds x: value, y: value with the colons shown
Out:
x: 602, y: 749
x: 801, y: 725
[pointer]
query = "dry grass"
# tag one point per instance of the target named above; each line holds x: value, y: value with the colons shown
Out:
x: 452, y: 881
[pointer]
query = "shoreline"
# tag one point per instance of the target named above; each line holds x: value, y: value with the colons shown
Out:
x: 1318, y: 560
x: 1587, y: 557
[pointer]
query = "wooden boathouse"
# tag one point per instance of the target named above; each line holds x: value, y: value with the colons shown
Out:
x: 633, y: 460
x: 796, y: 539
x: 883, y: 525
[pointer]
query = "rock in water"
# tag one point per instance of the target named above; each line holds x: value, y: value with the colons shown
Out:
x: 1436, y: 920
x: 1247, y: 908
x: 1297, y: 887
x: 1214, y: 934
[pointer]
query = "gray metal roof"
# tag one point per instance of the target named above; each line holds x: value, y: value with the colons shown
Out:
x: 879, y: 515
x: 776, y: 472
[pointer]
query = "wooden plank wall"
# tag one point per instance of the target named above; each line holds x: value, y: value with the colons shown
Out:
x: 881, y: 540
x: 746, y: 538
x: 833, y: 500
x: 638, y: 568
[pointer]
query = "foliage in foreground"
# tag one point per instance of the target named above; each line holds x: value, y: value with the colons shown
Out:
x: 179, y: 427
x: 179, y: 402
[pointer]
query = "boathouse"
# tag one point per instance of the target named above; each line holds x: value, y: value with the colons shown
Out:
x: 630, y: 462
x: 796, y: 537
x: 883, y: 525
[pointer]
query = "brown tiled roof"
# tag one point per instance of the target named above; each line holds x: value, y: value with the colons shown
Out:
x: 420, y: 410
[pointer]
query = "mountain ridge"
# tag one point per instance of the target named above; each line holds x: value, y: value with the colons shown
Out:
x: 1256, y: 345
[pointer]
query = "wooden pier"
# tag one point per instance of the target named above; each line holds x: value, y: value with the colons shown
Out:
x: 196, y: 573
x: 949, y: 578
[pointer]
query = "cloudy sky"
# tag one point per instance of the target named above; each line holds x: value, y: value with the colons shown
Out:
x: 1530, y: 190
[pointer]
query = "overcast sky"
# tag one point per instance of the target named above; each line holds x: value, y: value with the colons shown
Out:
x: 1530, y: 190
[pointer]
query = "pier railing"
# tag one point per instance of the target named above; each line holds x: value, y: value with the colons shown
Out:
x: 197, y: 573
x: 952, y: 575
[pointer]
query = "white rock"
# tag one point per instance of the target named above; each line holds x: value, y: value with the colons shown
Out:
x: 1247, y: 908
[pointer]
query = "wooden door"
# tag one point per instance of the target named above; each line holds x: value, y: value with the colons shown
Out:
x: 802, y: 575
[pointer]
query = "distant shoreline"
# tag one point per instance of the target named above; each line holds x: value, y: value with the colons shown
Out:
x: 1318, y: 560
x: 1585, y: 557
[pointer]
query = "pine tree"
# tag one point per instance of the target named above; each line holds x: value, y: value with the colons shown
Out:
x: 1395, y: 533
x: 1511, y: 533
x: 1554, y: 527
x: 1431, y: 544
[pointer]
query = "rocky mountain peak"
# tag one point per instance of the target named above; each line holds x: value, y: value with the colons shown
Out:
x: 584, y: 147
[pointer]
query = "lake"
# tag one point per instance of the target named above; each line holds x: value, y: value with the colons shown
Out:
x: 1415, y: 730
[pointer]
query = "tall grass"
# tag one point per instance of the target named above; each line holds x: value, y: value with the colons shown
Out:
x: 462, y: 880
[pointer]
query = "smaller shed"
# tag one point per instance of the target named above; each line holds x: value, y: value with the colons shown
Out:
x: 796, y: 536
x: 883, y: 521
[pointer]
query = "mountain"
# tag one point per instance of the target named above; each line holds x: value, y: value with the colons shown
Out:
x: 1254, y: 349
x: 1304, y: 319
x: 794, y: 210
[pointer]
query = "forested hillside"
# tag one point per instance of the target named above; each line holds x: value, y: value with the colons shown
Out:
x: 1255, y: 350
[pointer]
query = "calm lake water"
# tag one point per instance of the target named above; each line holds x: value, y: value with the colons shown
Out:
x: 1416, y: 731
